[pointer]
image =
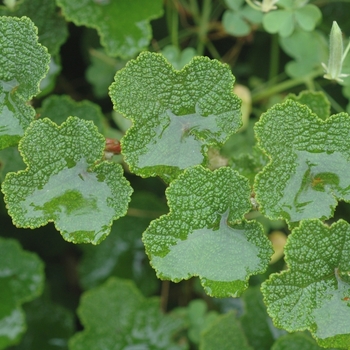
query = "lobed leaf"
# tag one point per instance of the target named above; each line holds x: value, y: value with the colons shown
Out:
x: 23, y: 63
x: 205, y: 235
x: 314, y: 292
x: 307, y: 173
x: 63, y: 183
x: 122, y: 25
x: 176, y: 114
x: 133, y: 321
x: 21, y: 280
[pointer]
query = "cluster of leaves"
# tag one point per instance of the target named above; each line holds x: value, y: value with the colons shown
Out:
x: 232, y: 183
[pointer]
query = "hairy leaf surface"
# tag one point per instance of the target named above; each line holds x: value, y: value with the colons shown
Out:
x: 314, y: 292
x: 309, y: 162
x: 23, y: 63
x: 63, y: 183
x: 176, y: 114
x: 205, y: 235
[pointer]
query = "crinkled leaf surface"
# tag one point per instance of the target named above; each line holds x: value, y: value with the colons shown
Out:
x: 21, y: 280
x: 314, y: 292
x: 123, y: 25
x: 175, y: 114
x: 315, y: 100
x: 205, y: 235
x: 59, y: 107
x: 10, y: 160
x: 116, y: 316
x: 310, y: 158
x: 63, y: 184
x: 23, y: 63
x: 224, y: 333
x: 52, y: 28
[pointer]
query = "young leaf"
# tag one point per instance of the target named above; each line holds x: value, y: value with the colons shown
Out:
x: 309, y: 158
x: 23, y: 63
x: 21, y: 280
x: 205, y: 235
x: 224, y: 333
x: 122, y: 25
x: 133, y: 322
x: 176, y: 114
x: 314, y: 292
x: 62, y: 182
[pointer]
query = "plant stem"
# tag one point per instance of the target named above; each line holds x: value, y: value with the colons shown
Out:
x: 274, y: 57
x: 285, y: 86
x: 203, y: 26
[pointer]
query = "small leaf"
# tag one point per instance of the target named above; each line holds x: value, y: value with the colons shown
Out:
x: 176, y: 114
x: 21, y: 280
x: 279, y: 21
x: 224, y: 333
x: 63, y: 184
x: 23, y: 63
x: 59, y: 107
x: 309, y: 158
x: 205, y: 235
x: 122, y: 25
x: 178, y: 58
x: 314, y: 292
x: 133, y: 322
x: 315, y: 100
x: 308, y: 16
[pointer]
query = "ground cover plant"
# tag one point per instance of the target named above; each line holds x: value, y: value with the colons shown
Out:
x: 175, y: 174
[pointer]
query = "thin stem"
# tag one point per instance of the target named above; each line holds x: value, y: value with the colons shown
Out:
x: 174, y: 26
x: 203, y: 26
x: 213, y: 51
x: 285, y: 86
x: 335, y: 105
x: 274, y: 57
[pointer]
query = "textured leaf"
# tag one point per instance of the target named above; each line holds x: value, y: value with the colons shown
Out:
x: 133, y: 322
x: 49, y: 326
x: 23, y: 63
x: 307, y: 173
x: 10, y: 160
x: 21, y: 280
x: 122, y: 254
x: 314, y: 293
x: 205, y: 234
x: 52, y: 28
x: 224, y: 333
x: 176, y: 114
x: 122, y: 25
x: 315, y: 100
x: 59, y: 108
x: 63, y: 184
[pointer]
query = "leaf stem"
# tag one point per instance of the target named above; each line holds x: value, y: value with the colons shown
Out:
x: 274, y: 57
x: 203, y: 26
x: 285, y: 86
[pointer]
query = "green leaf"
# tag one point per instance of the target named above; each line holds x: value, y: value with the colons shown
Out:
x: 205, y: 235
x: 63, y: 183
x: 21, y: 280
x: 10, y: 160
x: 49, y: 326
x: 308, y: 49
x: 224, y: 333
x: 315, y: 100
x: 23, y: 63
x: 133, y: 322
x: 176, y: 114
x: 308, y: 16
x: 52, y: 28
x: 307, y: 173
x: 279, y: 21
x: 59, y: 108
x: 296, y: 341
x: 122, y: 254
x: 314, y: 292
x: 122, y: 25
x: 255, y: 321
